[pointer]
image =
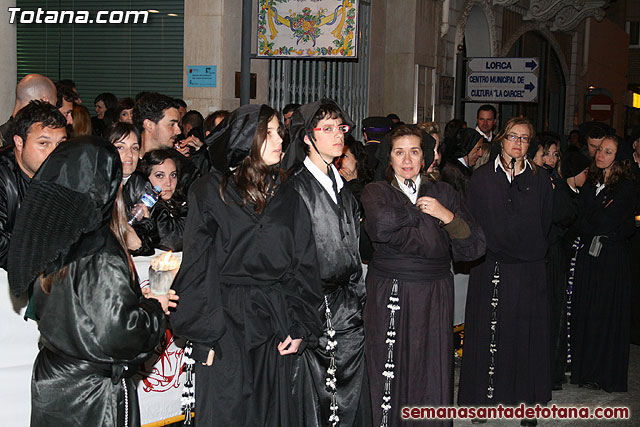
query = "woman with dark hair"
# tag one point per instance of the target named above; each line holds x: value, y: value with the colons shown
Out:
x: 96, y: 327
x: 506, y: 344
x: 415, y: 225
x: 248, y: 280
x: 105, y: 104
x: 600, y: 303
x: 561, y: 237
x: 462, y: 156
x: 124, y: 111
x: 126, y: 138
x: 353, y: 166
x: 161, y: 226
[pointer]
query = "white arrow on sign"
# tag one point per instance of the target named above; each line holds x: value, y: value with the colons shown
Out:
x: 502, y: 87
x: 504, y: 65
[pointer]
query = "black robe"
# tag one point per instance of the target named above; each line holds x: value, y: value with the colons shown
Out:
x: 515, y: 219
x: 601, y: 309
x: 96, y: 329
x: 247, y: 281
x: 561, y: 237
x: 635, y: 266
x: 344, y: 288
x: 414, y: 251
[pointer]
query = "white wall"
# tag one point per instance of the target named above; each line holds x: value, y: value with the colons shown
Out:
x: 8, y: 63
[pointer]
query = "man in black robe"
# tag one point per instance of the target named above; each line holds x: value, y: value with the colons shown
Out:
x: 330, y: 383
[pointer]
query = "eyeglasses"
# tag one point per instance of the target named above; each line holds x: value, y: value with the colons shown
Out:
x: 331, y: 128
x: 513, y: 138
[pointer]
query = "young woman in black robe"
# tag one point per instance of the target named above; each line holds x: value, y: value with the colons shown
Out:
x: 561, y: 239
x: 635, y: 240
x: 415, y: 229
x: 601, y: 309
x: 95, y: 326
x: 331, y: 382
x: 249, y: 277
x: 506, y: 346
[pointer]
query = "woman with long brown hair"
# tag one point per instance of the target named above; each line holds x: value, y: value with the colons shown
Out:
x: 96, y: 327
x: 602, y: 286
x: 506, y: 346
x: 249, y: 282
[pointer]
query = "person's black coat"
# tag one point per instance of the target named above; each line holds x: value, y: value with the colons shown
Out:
x: 7, y: 130
x: 13, y: 186
x: 163, y: 229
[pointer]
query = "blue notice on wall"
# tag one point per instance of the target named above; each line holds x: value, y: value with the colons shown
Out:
x: 201, y: 76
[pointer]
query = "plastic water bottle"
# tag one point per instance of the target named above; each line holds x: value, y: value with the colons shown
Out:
x: 148, y: 199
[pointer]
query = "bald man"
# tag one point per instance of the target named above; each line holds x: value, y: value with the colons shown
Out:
x: 31, y: 87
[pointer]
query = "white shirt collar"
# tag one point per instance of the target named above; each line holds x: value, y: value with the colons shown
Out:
x: 407, y: 190
x: 498, y: 164
x: 463, y: 161
x: 324, y: 179
x: 488, y: 136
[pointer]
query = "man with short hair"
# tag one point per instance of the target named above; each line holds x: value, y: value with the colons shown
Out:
x: 486, y: 118
x: 157, y: 118
x: 39, y: 128
x: 32, y: 86
x: 594, y: 140
x: 317, y: 138
x: 287, y: 112
x: 66, y: 97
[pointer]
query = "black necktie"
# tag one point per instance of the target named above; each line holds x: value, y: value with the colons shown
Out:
x: 412, y: 185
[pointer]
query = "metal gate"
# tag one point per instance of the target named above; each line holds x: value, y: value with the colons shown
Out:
x: 345, y: 81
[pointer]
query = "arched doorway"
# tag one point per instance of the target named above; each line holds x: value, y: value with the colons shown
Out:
x: 548, y: 113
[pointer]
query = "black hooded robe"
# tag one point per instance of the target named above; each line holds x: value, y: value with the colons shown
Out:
x: 95, y: 326
x: 414, y: 251
x: 344, y: 288
x: 601, y: 308
x: 246, y: 282
x: 516, y: 219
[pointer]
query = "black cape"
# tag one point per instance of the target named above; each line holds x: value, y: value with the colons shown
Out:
x: 414, y: 251
x: 601, y: 309
x: 246, y: 282
x: 516, y: 219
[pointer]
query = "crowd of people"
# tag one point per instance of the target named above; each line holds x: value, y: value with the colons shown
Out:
x: 317, y: 278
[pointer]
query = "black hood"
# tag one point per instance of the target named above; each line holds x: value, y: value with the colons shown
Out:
x: 231, y: 141
x: 66, y: 212
x: 300, y: 121
x: 466, y: 139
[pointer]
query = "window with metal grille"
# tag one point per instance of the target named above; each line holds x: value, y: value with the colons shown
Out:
x: 121, y: 58
x: 345, y: 81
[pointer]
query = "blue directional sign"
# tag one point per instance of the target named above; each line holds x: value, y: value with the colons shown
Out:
x: 502, y: 79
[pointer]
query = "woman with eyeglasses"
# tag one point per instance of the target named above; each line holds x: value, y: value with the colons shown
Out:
x: 506, y: 347
x: 417, y: 225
